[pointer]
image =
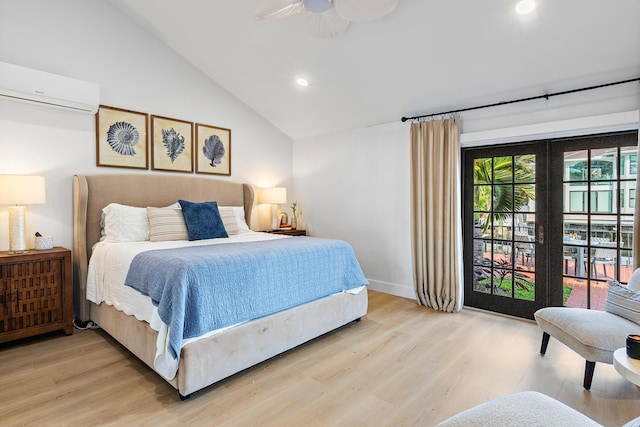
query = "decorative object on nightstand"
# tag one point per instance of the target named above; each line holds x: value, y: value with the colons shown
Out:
x: 283, y: 221
x: 36, y: 293
x: 273, y: 196
x: 20, y: 190
x: 43, y: 242
x: 296, y: 211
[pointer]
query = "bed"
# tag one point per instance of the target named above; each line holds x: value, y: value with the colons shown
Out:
x: 211, y: 357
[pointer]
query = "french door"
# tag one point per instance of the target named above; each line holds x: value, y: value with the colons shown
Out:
x: 548, y: 223
x: 505, y: 217
x: 593, y: 202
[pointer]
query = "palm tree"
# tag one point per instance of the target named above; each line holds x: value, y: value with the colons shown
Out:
x: 513, y: 190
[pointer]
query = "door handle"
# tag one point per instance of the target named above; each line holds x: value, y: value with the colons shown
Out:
x: 541, y: 234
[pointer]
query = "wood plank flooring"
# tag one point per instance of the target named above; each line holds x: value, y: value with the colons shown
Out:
x: 402, y: 365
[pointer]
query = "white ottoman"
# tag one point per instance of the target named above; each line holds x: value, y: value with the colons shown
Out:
x: 524, y: 409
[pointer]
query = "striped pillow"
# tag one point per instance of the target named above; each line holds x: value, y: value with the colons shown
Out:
x: 229, y: 219
x: 623, y: 302
x: 166, y: 224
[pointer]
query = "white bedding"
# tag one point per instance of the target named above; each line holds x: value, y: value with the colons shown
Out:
x: 108, y: 268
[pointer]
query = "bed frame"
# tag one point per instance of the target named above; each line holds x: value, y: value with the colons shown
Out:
x: 211, y: 359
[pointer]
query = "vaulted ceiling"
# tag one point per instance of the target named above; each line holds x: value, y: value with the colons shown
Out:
x: 426, y: 56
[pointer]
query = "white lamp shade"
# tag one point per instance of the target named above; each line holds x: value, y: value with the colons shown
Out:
x: 22, y: 190
x: 273, y: 195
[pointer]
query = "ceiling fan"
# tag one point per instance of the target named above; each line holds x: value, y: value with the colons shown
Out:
x: 325, y: 18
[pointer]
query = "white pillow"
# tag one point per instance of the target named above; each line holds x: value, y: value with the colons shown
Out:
x: 242, y: 223
x: 633, y: 423
x: 634, y: 281
x: 167, y: 224
x: 238, y: 212
x: 623, y: 302
x: 124, y: 223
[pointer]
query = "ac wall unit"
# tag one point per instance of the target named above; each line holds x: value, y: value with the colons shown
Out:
x: 25, y: 84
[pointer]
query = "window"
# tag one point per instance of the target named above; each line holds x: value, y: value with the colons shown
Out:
x: 577, y: 201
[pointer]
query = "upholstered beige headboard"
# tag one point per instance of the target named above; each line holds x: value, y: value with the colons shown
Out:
x: 91, y: 193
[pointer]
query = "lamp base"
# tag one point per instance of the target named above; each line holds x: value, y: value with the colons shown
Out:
x: 17, y: 229
x: 274, y: 217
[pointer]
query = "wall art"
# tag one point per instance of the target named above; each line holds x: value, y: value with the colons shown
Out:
x: 171, y: 144
x: 121, y: 138
x: 213, y: 150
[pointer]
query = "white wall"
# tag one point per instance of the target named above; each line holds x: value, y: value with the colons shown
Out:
x: 94, y: 41
x: 354, y: 185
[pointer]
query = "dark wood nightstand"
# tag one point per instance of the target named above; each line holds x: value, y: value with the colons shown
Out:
x: 35, y: 293
x: 288, y: 232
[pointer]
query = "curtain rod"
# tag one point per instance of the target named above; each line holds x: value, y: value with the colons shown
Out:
x: 531, y: 98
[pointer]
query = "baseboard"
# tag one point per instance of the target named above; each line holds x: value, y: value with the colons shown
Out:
x: 392, y: 289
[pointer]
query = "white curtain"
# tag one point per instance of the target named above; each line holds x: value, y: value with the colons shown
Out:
x: 436, y: 215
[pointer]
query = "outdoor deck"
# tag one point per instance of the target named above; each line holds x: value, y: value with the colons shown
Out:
x: 578, y: 296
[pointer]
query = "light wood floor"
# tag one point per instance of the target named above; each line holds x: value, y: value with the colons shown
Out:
x: 402, y: 365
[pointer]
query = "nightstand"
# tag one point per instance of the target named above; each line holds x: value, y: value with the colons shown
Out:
x: 288, y: 232
x: 35, y: 293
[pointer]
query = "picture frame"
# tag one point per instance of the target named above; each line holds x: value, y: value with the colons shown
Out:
x: 171, y: 144
x: 122, y: 138
x: 213, y: 150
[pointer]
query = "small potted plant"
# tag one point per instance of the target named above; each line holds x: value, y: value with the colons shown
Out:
x: 296, y: 211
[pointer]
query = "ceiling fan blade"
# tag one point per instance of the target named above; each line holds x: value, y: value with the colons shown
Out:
x: 276, y: 9
x: 326, y: 24
x: 363, y: 10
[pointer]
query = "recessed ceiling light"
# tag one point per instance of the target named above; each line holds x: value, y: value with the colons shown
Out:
x: 525, y: 7
x: 302, y: 82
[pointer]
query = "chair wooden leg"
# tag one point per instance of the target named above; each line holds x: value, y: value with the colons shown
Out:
x: 545, y: 343
x: 589, y: 368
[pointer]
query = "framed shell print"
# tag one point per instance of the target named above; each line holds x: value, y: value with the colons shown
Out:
x: 121, y: 138
x: 171, y: 144
x: 213, y: 150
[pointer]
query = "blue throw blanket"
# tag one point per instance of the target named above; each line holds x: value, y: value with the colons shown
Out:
x: 201, y: 288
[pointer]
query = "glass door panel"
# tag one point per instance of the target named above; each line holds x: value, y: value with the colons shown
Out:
x: 598, y: 190
x: 505, y: 261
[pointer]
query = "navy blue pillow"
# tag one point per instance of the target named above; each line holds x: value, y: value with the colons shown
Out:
x: 203, y: 220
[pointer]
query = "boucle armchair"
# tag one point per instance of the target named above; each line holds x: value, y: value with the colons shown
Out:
x: 593, y: 334
x: 524, y: 409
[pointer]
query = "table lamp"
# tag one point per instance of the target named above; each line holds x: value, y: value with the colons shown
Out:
x: 17, y: 191
x: 273, y: 196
